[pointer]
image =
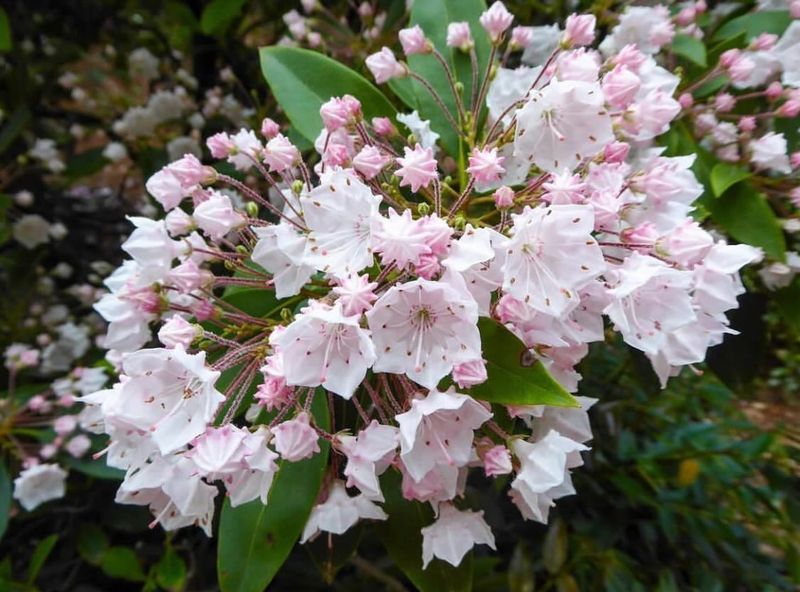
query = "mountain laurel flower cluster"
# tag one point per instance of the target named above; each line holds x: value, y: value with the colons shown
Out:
x: 362, y: 307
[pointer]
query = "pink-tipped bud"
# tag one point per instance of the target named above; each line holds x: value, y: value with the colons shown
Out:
x: 485, y: 165
x: 794, y: 160
x: 503, y: 197
x: 774, y: 91
x: 616, y: 152
x: 468, y: 374
x: 280, y: 154
x: 794, y: 9
x: 727, y: 58
x: 220, y: 145
x: 269, y: 129
x: 620, y: 87
x: 384, y: 66
x: 521, y: 37
x: 459, y: 36
x: 686, y: 100
x: 700, y: 6
x: 747, y: 123
x: 686, y: 16
x: 631, y: 57
x: 579, y: 30
x: 497, y: 461
x: 790, y: 108
x: 414, y: 41
x: 178, y: 331
x: 370, y: 162
x: 383, y: 126
x: 724, y: 102
x: 496, y: 20
x: 764, y: 42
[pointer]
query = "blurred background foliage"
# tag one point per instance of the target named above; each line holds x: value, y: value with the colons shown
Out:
x: 689, y: 488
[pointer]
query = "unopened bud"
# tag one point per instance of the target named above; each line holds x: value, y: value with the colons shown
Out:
x: 287, y: 314
x: 459, y: 222
x: 251, y: 208
x: 297, y: 186
x: 423, y: 209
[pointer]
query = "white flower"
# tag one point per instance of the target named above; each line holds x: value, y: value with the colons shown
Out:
x: 769, y: 152
x: 787, y: 50
x: 562, y: 124
x: 280, y: 251
x: 31, y: 230
x: 421, y: 128
x: 39, y: 484
x: 340, y: 512
x: 453, y: 534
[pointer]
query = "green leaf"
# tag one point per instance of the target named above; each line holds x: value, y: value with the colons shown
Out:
x: 332, y: 554
x: 401, y: 535
x: 433, y: 16
x: 92, y: 543
x: 5, y: 31
x: 690, y: 48
x: 510, y: 382
x: 554, y: 552
x: 5, y: 498
x: 39, y: 556
x: 255, y: 539
x: 122, y: 562
x: 725, y: 175
x: 86, y: 163
x: 788, y: 301
x: 303, y: 80
x: 219, y: 15
x: 171, y: 571
x: 745, y: 214
x: 752, y: 24
x: 13, y: 126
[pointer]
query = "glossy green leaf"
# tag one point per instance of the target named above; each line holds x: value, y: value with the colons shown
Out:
x: 122, y: 562
x: 39, y: 556
x: 755, y: 23
x: 745, y: 214
x: 170, y: 571
x: 401, y: 535
x: 255, y: 539
x: 218, y: 15
x: 92, y: 543
x: 510, y: 381
x: 724, y: 176
x: 5, y: 498
x: 434, y: 16
x: 303, y: 80
x: 5, y: 31
x: 690, y: 48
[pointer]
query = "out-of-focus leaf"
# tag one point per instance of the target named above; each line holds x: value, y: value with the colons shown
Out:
x: 122, y: 562
x: 86, y: 163
x: 92, y: 543
x: 39, y: 556
x: 555, y: 547
x: 788, y: 301
x: 303, y: 80
x: 170, y: 571
x: 724, y: 176
x: 745, y: 214
x: 401, y: 535
x: 94, y: 468
x: 219, y: 14
x: 255, y: 539
x: 690, y: 48
x: 755, y: 23
x: 510, y: 382
x: 521, y: 573
x: 331, y: 553
x: 5, y: 498
x: 5, y: 31
x: 13, y: 126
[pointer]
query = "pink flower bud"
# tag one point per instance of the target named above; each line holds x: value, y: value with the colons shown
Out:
x: 280, y: 154
x: 334, y: 114
x: 620, y: 87
x: 414, y: 41
x: 790, y: 108
x: 700, y: 6
x: 579, y: 30
x: 741, y: 69
x: 178, y: 222
x: 747, y: 123
x: 427, y: 266
x: 616, y: 152
x: 178, y: 331
x: 764, y: 42
x: 521, y: 37
x: 485, y: 165
x: 269, y: 129
x: 727, y: 58
x: 774, y: 91
x: 631, y: 57
x: 370, y: 161
x: 65, y: 424
x: 468, y: 374
x: 794, y: 9
x: 38, y: 404
x: 794, y: 160
x: 220, y: 145
x: 496, y: 20
x: 497, y: 461
x: 204, y: 310
x: 417, y: 167
x: 383, y: 126
x: 794, y: 195
x: 724, y: 102
x: 166, y: 188
x: 686, y: 100
x: 459, y: 36
x: 188, y: 170
x: 643, y: 236
x: 336, y: 155
x: 79, y: 445
x: 503, y: 197
x: 686, y: 16
x: 384, y: 66
x: 296, y: 439
x: 356, y: 294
